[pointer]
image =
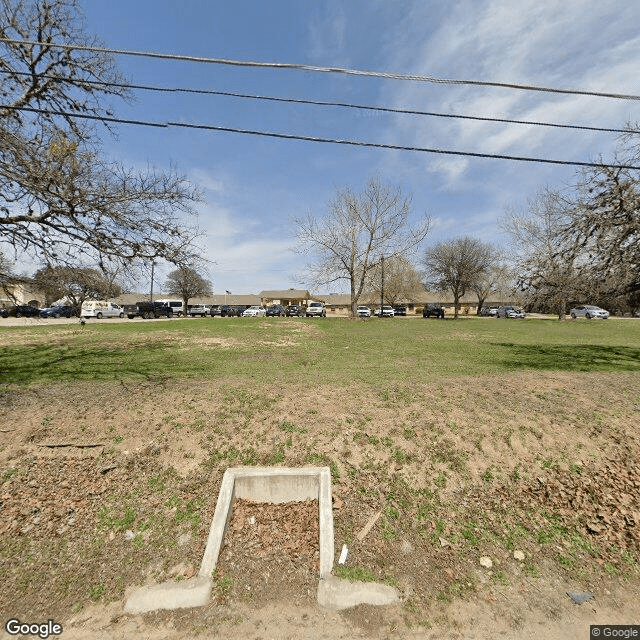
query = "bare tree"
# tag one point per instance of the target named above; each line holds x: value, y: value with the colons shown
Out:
x: 76, y: 284
x: 401, y: 281
x: 545, y: 265
x: 602, y: 235
x: 59, y: 200
x: 493, y: 280
x: 358, y: 230
x: 457, y: 265
x: 187, y: 283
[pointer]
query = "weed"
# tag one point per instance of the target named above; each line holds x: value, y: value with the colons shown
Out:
x: 441, y: 481
x: 387, y: 529
x: 399, y: 456
x: 471, y: 533
x: 487, y: 475
x: 110, y: 521
x: 289, y: 427
x: 409, y: 433
x: 96, y: 591
x: 565, y: 561
x: 500, y: 577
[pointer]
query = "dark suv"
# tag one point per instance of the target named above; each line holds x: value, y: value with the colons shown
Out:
x: 229, y: 311
x: 276, y: 310
x: 294, y: 310
x: 433, y: 310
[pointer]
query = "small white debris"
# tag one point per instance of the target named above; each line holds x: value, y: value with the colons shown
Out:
x: 343, y: 554
x: 129, y: 535
x: 252, y: 520
x: 444, y: 543
x: 518, y: 555
x: 486, y: 562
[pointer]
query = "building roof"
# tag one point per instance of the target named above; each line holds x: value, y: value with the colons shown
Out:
x: 278, y: 294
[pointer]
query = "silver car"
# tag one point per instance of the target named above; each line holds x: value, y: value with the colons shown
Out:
x: 588, y: 311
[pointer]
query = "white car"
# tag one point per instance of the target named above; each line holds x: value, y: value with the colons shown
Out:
x: 363, y: 311
x: 101, y: 309
x: 386, y: 312
x: 198, y: 310
x: 588, y: 311
x: 316, y: 309
x: 254, y: 311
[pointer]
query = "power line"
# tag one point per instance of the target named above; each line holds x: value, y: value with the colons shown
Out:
x: 324, y: 103
x: 322, y: 69
x: 355, y: 143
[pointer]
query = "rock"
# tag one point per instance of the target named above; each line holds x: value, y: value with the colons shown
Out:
x: 406, y: 546
x: 486, y: 562
x: 444, y: 543
x: 185, y: 538
x: 518, y: 555
x: 579, y: 598
x: 129, y: 535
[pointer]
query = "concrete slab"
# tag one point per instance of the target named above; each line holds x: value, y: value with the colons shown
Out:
x: 275, y: 485
x: 261, y: 484
x: 194, y: 592
x: 337, y: 594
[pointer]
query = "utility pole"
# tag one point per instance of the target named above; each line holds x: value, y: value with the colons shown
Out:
x: 382, y: 286
x: 153, y: 264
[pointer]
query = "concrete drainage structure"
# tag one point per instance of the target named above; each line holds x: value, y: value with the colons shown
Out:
x: 273, y: 485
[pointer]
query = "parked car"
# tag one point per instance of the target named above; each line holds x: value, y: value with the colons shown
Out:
x: 4, y: 313
x: 101, y: 309
x: 227, y: 311
x: 254, y: 311
x: 294, y: 310
x: 176, y: 305
x: 148, y: 310
x: 215, y: 311
x: 276, y: 310
x: 433, y: 309
x: 488, y: 311
x: 400, y: 310
x: 386, y: 311
x: 363, y: 311
x: 316, y: 309
x: 589, y: 311
x: 509, y: 312
x: 197, y: 310
x: 24, y: 310
x: 59, y: 311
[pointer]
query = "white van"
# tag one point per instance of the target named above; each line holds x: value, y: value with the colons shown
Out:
x: 101, y: 309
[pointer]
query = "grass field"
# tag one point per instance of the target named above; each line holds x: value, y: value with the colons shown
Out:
x: 494, y: 436
x: 315, y: 351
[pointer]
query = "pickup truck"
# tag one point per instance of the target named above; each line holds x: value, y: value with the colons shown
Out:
x: 148, y: 310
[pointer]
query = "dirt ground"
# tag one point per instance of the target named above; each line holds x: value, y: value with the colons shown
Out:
x: 108, y: 486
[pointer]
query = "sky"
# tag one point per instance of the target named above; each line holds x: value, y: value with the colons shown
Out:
x: 253, y: 186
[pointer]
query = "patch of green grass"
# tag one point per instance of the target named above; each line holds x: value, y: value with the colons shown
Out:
x: 96, y: 591
x: 289, y: 427
x: 116, y: 521
x: 355, y: 574
x: 147, y: 351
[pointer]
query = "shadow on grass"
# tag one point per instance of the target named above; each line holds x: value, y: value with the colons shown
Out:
x: 571, y: 357
x: 45, y: 363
